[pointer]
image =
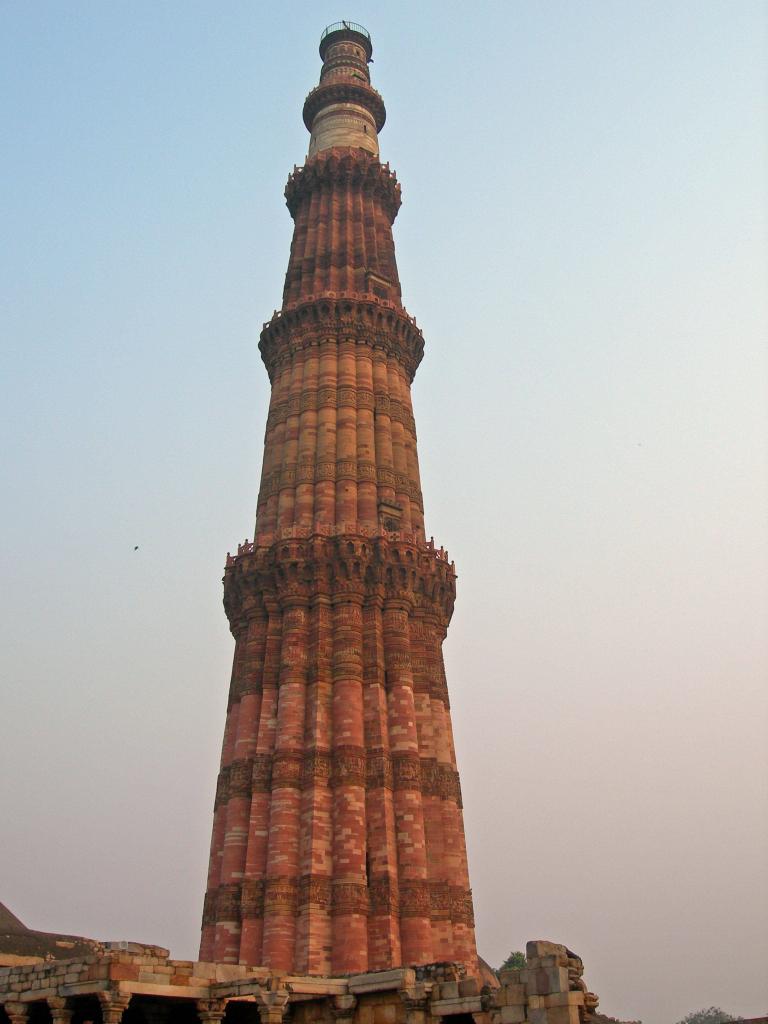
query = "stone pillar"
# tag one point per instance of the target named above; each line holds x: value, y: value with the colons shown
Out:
x: 211, y: 1011
x: 415, y: 1000
x: 18, y: 1013
x: 61, y: 1012
x: 343, y: 1009
x: 273, y: 1006
x: 113, y: 1006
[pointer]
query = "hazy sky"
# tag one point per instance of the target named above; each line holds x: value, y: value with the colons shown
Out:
x: 583, y: 241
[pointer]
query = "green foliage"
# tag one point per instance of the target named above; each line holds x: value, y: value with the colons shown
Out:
x: 516, y: 959
x: 714, y: 1015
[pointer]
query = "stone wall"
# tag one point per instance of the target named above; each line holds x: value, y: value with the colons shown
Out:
x: 128, y: 983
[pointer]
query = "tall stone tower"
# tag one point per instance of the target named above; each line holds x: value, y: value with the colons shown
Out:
x: 338, y: 842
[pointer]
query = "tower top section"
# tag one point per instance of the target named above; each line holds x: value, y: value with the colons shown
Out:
x: 346, y: 30
x: 344, y: 109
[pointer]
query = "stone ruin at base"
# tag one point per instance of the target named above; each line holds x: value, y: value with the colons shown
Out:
x: 338, y: 889
x: 128, y: 983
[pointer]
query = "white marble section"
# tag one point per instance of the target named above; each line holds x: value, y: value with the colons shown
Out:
x: 343, y: 124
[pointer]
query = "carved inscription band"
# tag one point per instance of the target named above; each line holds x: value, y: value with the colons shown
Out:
x: 346, y: 766
x: 438, y: 901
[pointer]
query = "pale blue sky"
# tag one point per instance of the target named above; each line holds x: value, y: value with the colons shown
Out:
x: 583, y: 241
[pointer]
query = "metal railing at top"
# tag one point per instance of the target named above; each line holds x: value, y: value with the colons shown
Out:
x: 349, y: 26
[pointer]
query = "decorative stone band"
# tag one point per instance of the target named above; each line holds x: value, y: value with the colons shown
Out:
x: 262, y: 773
x: 461, y: 906
x: 440, y: 901
x: 343, y: 529
x: 222, y: 788
x: 432, y: 683
x: 315, y: 891
x: 254, y: 898
x: 324, y: 319
x: 316, y: 769
x: 349, y: 898
x: 378, y: 770
x: 375, y: 569
x: 383, y: 896
x: 345, y: 766
x: 342, y: 469
x: 344, y: 167
x: 414, y: 899
x: 314, y: 399
x: 348, y: 766
x: 281, y: 895
x: 209, y: 907
x: 287, y: 770
x: 228, y: 903
x: 406, y: 771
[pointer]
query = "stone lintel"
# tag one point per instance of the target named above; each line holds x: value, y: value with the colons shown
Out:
x: 447, y: 1007
x: 382, y: 981
x: 147, y: 988
x: 81, y: 988
x: 234, y: 992
x: 316, y: 986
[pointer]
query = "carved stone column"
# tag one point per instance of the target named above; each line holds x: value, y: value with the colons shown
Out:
x: 18, y: 1013
x: 211, y: 1011
x: 416, y: 1001
x: 113, y: 1006
x: 61, y: 1013
x: 349, y: 884
x: 273, y: 1006
x: 343, y: 1009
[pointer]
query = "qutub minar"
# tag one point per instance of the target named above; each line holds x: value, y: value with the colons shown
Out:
x: 338, y: 842
x: 338, y: 890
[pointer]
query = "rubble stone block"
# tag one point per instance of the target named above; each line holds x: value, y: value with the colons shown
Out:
x: 565, y: 999
x: 510, y: 995
x: 510, y: 975
x: 512, y: 1014
x: 540, y: 947
x: 546, y: 980
x: 562, y: 1015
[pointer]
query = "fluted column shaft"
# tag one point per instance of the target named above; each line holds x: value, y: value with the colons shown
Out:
x: 313, y: 940
x: 415, y: 928
x: 281, y: 888
x: 349, y: 884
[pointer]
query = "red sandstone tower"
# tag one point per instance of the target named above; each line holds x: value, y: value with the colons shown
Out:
x: 338, y: 841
